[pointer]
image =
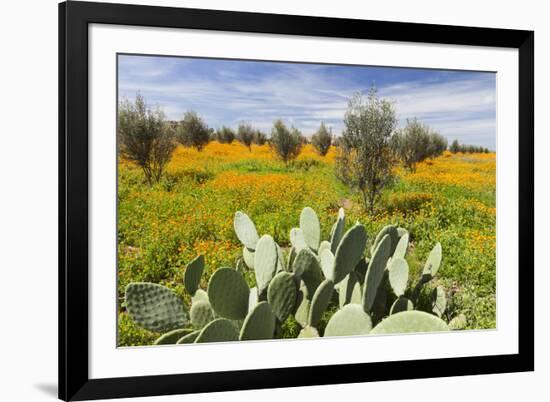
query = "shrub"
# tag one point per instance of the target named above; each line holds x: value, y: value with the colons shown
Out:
x: 245, y: 134
x: 322, y: 140
x: 365, y: 159
x: 286, y: 143
x: 145, y: 137
x: 455, y: 147
x: 259, y: 138
x: 193, y: 131
x: 225, y: 135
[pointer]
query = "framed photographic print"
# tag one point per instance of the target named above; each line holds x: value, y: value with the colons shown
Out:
x: 257, y: 200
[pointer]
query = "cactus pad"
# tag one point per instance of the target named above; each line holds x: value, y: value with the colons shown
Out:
x: 200, y: 295
x: 433, y: 262
x: 410, y: 321
x: 311, y: 228
x: 375, y: 272
x: 350, y: 290
x: 253, y: 298
x: 349, y: 251
x: 458, y: 322
x: 337, y: 231
x: 248, y: 257
x: 308, y: 332
x: 155, y: 307
x: 311, y: 274
x: 189, y: 338
x: 349, y: 320
x: 201, y: 314
x: 281, y: 295
x: 327, y: 263
x: 245, y: 230
x: 228, y: 294
x: 439, y: 301
x: 259, y: 323
x: 172, y: 337
x: 398, y: 274
x: 265, y: 261
x: 219, y: 330
x: 297, y: 239
x: 319, y: 302
x: 402, y: 246
x: 323, y: 246
x: 280, y: 259
x: 391, y: 231
x: 401, y: 304
x: 193, y: 273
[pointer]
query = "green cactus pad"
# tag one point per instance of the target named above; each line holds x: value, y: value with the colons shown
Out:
x: 308, y: 332
x: 410, y: 321
x: 297, y: 239
x: 459, y: 322
x: 337, y: 231
x: 311, y: 228
x: 439, y: 301
x: 391, y: 231
x: 401, y: 232
x: 201, y: 314
x: 189, y: 338
x: 401, y: 304
x: 245, y: 230
x: 433, y: 262
x: 303, y: 306
x: 265, y: 261
x: 291, y: 258
x: 375, y: 273
x: 281, y: 295
x: 259, y: 323
x: 398, y: 274
x: 172, y: 337
x: 280, y: 259
x: 327, y: 263
x: 319, y: 302
x: 192, y: 274
x: 248, y: 257
x: 219, y: 330
x: 350, y: 290
x: 200, y: 295
x: 155, y: 307
x: 361, y: 267
x: 325, y: 245
x: 253, y: 298
x: 312, y: 276
x: 349, y: 251
x: 228, y: 294
x: 402, y: 246
x: 349, y: 320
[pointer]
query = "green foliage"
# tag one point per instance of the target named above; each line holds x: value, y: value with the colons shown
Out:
x: 225, y: 135
x: 245, y: 134
x: 365, y: 160
x: 260, y: 138
x: 322, y: 140
x: 145, y: 137
x: 471, y: 149
x: 192, y: 131
x: 286, y: 143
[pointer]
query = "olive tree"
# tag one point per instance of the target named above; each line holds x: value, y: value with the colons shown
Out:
x: 322, y: 140
x: 286, y: 143
x: 260, y: 138
x: 412, y: 143
x: 225, y: 135
x: 365, y: 159
x: 145, y: 137
x: 192, y: 131
x: 245, y: 134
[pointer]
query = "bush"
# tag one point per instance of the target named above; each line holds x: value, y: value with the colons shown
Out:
x: 322, y: 140
x: 245, y: 134
x: 286, y: 143
x: 145, y: 137
x: 471, y: 149
x: 225, y: 135
x: 259, y: 138
x: 193, y: 131
x: 365, y: 159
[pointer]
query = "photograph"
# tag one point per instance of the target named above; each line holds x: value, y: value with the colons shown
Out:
x: 275, y: 200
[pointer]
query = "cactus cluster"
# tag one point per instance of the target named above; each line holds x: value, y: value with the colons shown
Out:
x: 359, y: 278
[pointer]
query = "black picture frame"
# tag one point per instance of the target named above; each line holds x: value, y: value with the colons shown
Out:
x: 74, y: 18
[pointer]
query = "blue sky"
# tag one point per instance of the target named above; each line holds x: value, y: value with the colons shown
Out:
x: 460, y: 105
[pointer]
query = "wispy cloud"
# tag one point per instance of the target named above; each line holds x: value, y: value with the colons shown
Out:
x: 460, y: 105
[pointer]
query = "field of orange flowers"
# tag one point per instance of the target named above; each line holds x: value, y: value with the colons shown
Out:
x: 450, y: 199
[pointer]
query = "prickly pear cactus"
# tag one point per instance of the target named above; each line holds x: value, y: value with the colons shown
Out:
x: 311, y: 228
x: 192, y: 274
x: 349, y: 251
x: 201, y: 314
x: 439, y: 301
x: 219, y: 330
x: 337, y: 231
x: 325, y: 245
x: 349, y: 320
x: 398, y: 275
x: 391, y: 231
x: 327, y: 263
x: 306, y: 267
x: 433, y: 262
x: 228, y: 294
x: 265, y: 261
x: 253, y: 298
x: 155, y: 307
x: 308, y: 332
x: 172, y: 337
x: 303, y: 304
x: 402, y: 246
x: 200, y: 295
x: 245, y: 230
x: 319, y: 302
x: 401, y: 304
x: 189, y: 338
x: 410, y: 321
x: 259, y: 323
x: 248, y: 257
x: 297, y: 239
x: 375, y: 272
x: 350, y: 290
x: 459, y: 322
x: 281, y: 295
